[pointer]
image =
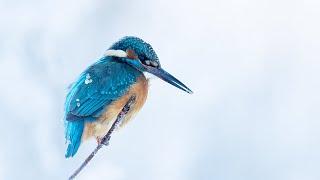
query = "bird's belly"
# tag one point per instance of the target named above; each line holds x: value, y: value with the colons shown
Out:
x: 101, y: 126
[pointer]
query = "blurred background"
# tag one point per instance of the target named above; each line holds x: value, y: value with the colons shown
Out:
x: 253, y: 65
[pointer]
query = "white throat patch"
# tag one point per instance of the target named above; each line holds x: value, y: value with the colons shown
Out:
x: 115, y: 53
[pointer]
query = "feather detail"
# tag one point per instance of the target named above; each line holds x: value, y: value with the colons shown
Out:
x: 73, y: 137
x: 93, y: 92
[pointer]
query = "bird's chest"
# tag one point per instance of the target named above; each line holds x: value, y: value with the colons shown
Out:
x: 101, y: 126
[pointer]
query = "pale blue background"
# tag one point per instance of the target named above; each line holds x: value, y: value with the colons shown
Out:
x: 254, y: 66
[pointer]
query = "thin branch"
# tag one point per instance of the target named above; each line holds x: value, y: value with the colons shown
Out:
x: 105, y: 140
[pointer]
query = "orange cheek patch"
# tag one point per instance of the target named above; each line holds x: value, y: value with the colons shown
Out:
x: 131, y: 54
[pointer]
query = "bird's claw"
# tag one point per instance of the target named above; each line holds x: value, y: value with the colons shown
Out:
x: 106, y: 143
x: 103, y: 141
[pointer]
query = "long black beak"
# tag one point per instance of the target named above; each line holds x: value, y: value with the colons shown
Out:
x: 162, y: 74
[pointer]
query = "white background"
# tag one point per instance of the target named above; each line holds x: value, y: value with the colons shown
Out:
x: 253, y: 65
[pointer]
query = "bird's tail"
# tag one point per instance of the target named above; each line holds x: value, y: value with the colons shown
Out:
x: 73, y: 136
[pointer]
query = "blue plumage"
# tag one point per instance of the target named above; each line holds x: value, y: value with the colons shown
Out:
x: 98, y: 86
x: 73, y: 134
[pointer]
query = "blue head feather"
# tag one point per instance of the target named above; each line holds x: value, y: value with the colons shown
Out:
x: 143, y: 50
x: 141, y: 56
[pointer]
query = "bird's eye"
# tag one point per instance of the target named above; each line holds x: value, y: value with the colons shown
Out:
x: 147, y: 62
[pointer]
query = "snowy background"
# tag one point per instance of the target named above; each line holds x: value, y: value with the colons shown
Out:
x: 253, y: 65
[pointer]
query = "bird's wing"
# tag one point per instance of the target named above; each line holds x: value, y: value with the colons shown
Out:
x: 90, y: 95
x: 96, y: 88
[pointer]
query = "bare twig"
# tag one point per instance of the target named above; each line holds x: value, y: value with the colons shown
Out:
x: 105, y: 140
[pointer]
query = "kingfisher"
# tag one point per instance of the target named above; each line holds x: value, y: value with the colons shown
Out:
x: 101, y: 91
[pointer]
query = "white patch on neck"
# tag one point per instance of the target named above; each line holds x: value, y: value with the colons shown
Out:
x: 115, y: 53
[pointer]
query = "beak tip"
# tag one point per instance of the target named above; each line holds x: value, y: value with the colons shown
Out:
x: 189, y: 91
x: 162, y: 74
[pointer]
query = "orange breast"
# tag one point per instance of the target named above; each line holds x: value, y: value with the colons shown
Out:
x: 101, y: 126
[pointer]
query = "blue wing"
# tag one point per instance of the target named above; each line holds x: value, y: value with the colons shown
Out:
x: 97, y: 87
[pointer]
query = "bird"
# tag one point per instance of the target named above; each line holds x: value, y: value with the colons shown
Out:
x: 101, y: 91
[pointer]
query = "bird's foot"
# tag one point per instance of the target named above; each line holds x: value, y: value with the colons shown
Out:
x: 98, y: 140
x: 102, y: 141
x: 106, y: 143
